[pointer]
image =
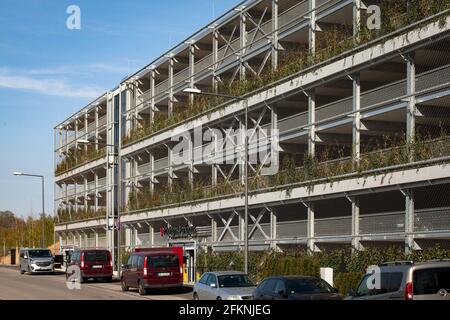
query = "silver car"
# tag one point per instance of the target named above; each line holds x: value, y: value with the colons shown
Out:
x: 36, y: 261
x: 226, y: 285
x: 406, y: 280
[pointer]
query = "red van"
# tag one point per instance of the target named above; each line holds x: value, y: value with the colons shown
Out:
x: 152, y: 269
x: 93, y: 263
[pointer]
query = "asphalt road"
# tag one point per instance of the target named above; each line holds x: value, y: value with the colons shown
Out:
x: 14, y: 286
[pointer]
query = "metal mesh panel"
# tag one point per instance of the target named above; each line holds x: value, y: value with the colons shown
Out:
x: 334, y: 109
x: 181, y: 76
x: 293, y: 13
x: 161, y: 87
x: 390, y: 222
x: 435, y: 219
x: 292, y: 122
x: 292, y: 229
x: 333, y: 226
x: 383, y: 93
x: 203, y: 64
x: 433, y: 78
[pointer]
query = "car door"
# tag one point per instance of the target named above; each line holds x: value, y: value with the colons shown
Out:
x: 127, y: 270
x: 279, y: 291
x: 202, y: 286
x: 211, y: 288
x: 269, y: 289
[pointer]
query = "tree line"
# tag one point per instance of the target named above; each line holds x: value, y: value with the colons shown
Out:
x: 17, y: 232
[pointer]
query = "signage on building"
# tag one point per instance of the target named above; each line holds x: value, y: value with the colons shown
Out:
x: 178, y: 231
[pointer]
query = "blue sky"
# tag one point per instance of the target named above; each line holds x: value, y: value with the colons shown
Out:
x: 47, y: 72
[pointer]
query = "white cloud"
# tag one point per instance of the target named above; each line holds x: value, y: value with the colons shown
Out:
x: 47, y: 86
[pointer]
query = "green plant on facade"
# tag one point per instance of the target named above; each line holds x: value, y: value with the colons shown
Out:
x: 79, y: 157
x: 348, y: 266
x: 66, y: 215
x: 331, y: 42
x: 330, y: 164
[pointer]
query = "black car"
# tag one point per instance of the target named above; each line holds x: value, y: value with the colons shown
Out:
x: 295, y: 288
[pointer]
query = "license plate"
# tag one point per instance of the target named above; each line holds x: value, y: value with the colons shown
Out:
x: 163, y: 274
x: 97, y: 267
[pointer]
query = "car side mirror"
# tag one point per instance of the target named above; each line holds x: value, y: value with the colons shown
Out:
x: 213, y: 285
x: 351, y: 292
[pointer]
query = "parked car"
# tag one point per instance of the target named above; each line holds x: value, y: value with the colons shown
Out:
x: 36, y: 261
x: 154, y: 269
x: 295, y: 288
x: 406, y: 280
x: 227, y: 285
x: 93, y: 263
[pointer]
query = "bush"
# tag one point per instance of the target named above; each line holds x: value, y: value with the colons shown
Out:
x: 348, y: 267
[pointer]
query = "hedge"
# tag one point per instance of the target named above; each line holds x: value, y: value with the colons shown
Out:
x: 348, y: 266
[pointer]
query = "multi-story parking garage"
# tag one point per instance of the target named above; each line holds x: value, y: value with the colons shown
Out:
x: 348, y: 135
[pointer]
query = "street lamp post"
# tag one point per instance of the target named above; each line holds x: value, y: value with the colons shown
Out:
x: 245, y: 101
x: 43, y: 203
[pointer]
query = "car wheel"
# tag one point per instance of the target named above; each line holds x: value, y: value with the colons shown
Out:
x: 123, y: 285
x: 219, y: 298
x: 142, y: 289
x: 196, y: 297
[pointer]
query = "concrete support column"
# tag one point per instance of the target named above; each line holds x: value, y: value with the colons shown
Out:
x: 410, y: 244
x: 356, y: 129
x: 312, y: 26
x: 96, y: 239
x: 85, y: 132
x: 356, y: 19
x: 74, y: 239
x: 86, y: 240
x: 311, y: 121
x: 80, y: 240
x: 85, y: 192
x: 215, y: 58
x: 191, y: 163
x: 311, y: 242
x: 170, y: 105
x: 191, y: 70
x: 215, y: 151
x: 96, y: 128
x: 152, y: 171
x: 275, y: 43
x: 356, y: 245
x: 411, y: 104
x: 273, y: 229
x: 241, y: 145
x: 76, y: 195
x: 213, y: 230
x: 67, y: 140
x: 96, y: 191
x: 152, y: 95
x: 243, y: 42
x: 242, y: 228
x: 151, y: 232
x: 170, y: 168
x: 135, y: 237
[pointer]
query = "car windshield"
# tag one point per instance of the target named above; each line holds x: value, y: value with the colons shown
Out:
x: 40, y: 253
x: 162, y: 261
x: 234, y: 280
x: 96, y: 256
x: 307, y: 285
